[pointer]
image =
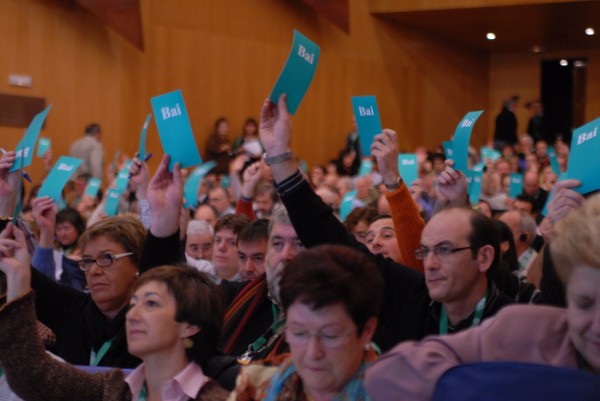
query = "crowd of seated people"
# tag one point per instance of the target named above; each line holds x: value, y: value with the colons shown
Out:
x: 262, y: 292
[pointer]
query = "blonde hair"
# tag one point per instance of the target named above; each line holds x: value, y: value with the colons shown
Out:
x: 578, y: 239
x: 126, y: 230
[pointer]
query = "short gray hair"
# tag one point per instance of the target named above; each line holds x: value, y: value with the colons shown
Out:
x: 199, y: 227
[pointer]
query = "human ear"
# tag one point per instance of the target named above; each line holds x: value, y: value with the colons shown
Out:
x: 485, y: 257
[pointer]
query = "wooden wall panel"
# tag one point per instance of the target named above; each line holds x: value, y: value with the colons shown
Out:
x: 514, y: 74
x: 226, y: 56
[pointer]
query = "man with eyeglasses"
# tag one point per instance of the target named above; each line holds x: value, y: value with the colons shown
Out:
x: 412, y: 307
x: 459, y: 247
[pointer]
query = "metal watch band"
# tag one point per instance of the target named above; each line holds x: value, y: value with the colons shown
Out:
x: 269, y: 160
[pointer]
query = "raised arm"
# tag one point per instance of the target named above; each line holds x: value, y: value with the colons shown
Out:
x: 408, y: 223
x: 250, y: 179
x: 8, y: 185
x: 165, y: 198
x: 31, y: 372
x: 44, y: 214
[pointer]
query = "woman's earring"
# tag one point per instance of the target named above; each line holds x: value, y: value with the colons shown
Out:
x: 188, y: 343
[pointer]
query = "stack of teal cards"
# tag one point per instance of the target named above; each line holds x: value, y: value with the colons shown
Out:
x: 58, y: 177
x: 175, y: 130
x: 368, y: 122
x: 462, y: 137
x: 298, y: 72
x: 24, y: 150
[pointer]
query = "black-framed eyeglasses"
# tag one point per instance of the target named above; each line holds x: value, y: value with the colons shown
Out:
x: 439, y: 251
x: 104, y: 260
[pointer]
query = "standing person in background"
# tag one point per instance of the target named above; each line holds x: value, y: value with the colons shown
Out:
x: 218, y: 147
x: 506, y: 124
x: 538, y: 126
x: 90, y: 150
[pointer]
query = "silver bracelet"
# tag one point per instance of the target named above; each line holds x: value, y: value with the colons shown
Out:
x: 269, y: 160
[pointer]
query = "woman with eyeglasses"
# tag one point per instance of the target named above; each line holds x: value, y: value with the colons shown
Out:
x: 90, y: 327
x: 173, y: 324
x: 330, y: 320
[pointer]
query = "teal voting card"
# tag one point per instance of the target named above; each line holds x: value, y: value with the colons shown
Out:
x: 489, y: 153
x: 448, y: 149
x: 298, y: 72
x: 142, y: 150
x: 462, y: 137
x: 58, y: 177
x: 26, y: 146
x: 583, y: 158
x: 43, y: 146
x: 366, y: 114
x: 123, y: 177
x: 474, y: 185
x: 515, y: 187
x: 346, y: 204
x: 190, y: 190
x: 175, y: 130
x: 561, y: 177
x: 553, y: 160
x: 366, y: 166
x: 408, y: 167
x: 112, y: 201
x: 93, y: 186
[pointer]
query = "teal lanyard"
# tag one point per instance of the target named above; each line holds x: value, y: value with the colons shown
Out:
x: 476, y: 319
x: 265, y: 340
x: 1, y: 373
x: 143, y: 396
x: 96, y: 358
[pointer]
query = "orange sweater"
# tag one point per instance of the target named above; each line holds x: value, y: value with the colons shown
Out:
x: 408, y: 225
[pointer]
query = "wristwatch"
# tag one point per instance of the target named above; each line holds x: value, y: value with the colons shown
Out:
x: 395, y: 185
x: 269, y: 160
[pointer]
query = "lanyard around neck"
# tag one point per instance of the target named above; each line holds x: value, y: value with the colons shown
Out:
x: 265, y: 340
x: 143, y: 395
x: 476, y: 319
x: 96, y: 358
